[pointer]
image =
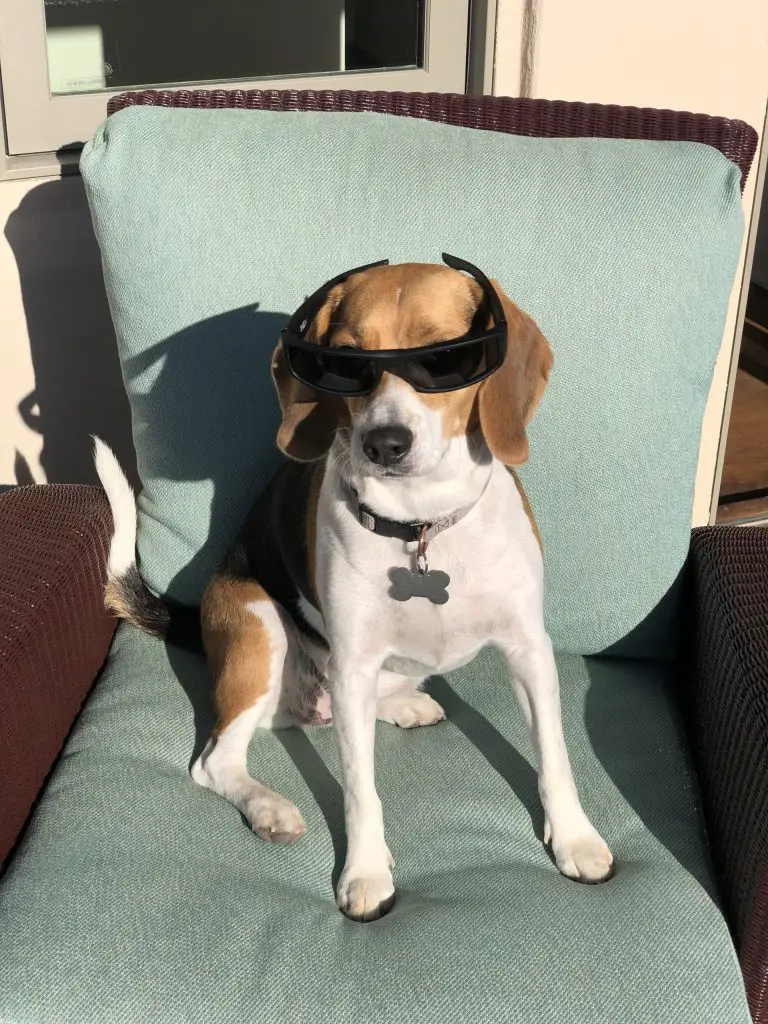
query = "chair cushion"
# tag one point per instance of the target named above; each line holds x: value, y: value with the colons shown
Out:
x: 214, y: 225
x: 137, y: 896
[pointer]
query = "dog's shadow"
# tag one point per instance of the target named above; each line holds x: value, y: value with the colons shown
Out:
x: 196, y: 386
x: 500, y: 754
x: 325, y: 789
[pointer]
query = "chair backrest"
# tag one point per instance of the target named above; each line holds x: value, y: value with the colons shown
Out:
x: 623, y: 251
x: 547, y: 119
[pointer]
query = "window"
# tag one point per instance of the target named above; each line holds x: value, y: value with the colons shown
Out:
x: 59, y: 59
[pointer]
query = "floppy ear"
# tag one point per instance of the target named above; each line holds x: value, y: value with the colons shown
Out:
x: 310, y: 418
x: 508, y: 398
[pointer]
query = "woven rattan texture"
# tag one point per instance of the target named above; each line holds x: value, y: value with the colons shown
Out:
x: 728, y: 718
x: 54, y: 631
x: 546, y: 118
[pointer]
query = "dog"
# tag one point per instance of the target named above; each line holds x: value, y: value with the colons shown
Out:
x: 394, y: 544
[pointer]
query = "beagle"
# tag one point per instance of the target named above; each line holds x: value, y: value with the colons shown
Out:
x: 394, y: 544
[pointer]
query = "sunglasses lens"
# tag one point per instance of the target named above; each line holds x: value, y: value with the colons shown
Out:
x: 455, y: 367
x: 343, y: 373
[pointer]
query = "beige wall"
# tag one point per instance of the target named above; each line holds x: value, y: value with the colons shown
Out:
x: 688, y: 55
x: 59, y: 377
x: 19, y: 446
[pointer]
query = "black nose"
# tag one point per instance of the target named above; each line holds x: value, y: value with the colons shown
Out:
x: 387, y: 445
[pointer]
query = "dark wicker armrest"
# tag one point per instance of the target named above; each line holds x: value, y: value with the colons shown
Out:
x: 54, y: 631
x: 727, y: 710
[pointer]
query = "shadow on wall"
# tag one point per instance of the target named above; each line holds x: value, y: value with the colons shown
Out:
x: 78, y: 386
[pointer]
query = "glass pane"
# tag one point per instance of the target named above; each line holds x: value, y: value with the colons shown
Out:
x: 115, y: 44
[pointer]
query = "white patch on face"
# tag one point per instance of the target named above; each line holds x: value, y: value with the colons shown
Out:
x: 396, y: 404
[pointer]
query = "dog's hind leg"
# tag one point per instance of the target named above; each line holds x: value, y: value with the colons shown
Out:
x: 400, y: 701
x: 246, y: 644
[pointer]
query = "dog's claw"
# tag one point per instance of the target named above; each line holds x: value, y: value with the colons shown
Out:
x: 276, y: 820
x: 365, y: 898
x: 584, y: 858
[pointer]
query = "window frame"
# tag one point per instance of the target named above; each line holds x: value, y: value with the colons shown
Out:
x: 43, y: 134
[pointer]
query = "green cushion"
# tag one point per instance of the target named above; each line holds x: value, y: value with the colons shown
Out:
x: 136, y: 896
x: 624, y: 252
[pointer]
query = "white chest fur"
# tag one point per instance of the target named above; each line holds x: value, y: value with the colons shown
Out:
x: 491, y: 556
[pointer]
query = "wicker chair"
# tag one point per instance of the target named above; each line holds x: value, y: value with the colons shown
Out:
x: 55, y: 635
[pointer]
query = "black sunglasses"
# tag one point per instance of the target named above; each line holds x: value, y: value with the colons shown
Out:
x: 444, y: 366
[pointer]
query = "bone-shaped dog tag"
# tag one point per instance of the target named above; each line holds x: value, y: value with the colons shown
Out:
x: 431, y: 584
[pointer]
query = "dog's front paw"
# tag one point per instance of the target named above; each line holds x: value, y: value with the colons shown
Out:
x: 275, y: 819
x: 365, y: 897
x: 582, y: 855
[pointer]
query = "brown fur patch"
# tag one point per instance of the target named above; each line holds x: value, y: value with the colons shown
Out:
x: 508, y: 399
x: 458, y: 410
x: 527, y: 509
x: 237, y: 645
x: 435, y: 303
x: 117, y: 601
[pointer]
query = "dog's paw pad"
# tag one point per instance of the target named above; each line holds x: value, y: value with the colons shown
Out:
x: 584, y: 859
x: 365, y: 898
x: 276, y: 820
x: 409, y: 710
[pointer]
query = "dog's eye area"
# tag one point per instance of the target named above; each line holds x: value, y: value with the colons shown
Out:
x: 462, y: 363
x: 332, y: 368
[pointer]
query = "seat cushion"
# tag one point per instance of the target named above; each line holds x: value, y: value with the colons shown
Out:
x: 215, y: 224
x: 137, y: 896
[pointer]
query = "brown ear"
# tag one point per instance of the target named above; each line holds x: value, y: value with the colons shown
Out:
x: 310, y: 419
x: 508, y: 399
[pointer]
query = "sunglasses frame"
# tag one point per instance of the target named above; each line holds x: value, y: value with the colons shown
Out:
x: 292, y: 336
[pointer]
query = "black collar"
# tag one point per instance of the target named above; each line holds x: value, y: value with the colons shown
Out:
x: 388, y: 527
x: 409, y: 532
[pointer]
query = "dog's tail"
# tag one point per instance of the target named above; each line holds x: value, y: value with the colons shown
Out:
x: 126, y: 594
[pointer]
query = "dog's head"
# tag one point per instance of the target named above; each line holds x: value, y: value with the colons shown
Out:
x: 397, y: 431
